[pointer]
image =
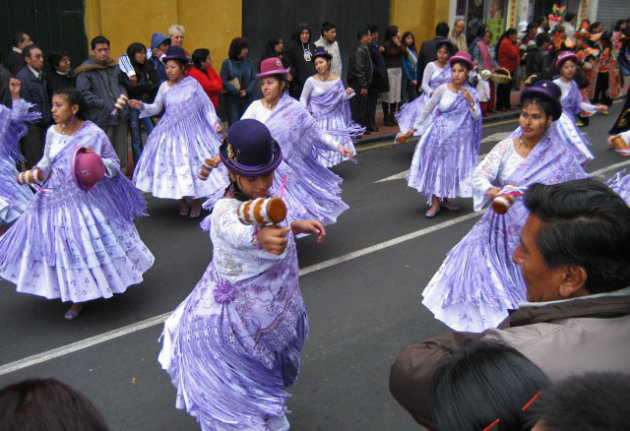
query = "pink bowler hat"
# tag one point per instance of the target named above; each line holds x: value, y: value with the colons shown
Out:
x: 271, y: 66
x: 87, y: 169
x: 566, y: 55
x: 461, y: 56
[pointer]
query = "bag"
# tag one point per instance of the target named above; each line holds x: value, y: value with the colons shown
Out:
x: 235, y: 82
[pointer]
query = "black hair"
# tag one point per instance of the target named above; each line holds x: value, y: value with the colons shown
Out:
x: 542, y: 39
x: 603, y: 400
x: 236, y: 46
x: 569, y: 16
x: 298, y: 31
x: 55, y: 57
x: 327, y: 26
x: 43, y: 404
x: 390, y: 32
x: 619, y: 23
x: 97, y: 40
x: 182, y: 63
x: 270, y: 51
x: 74, y: 97
x: 445, y: 44
x: 18, y: 38
x: 481, y: 383
x: 199, y: 56
x: 544, y: 104
x: 362, y: 32
x: 413, y: 44
x: 540, y: 20
x: 587, y: 225
x: 133, y: 49
x: 481, y: 30
x: 373, y: 28
x: 442, y: 29
x: 606, y: 39
x: 26, y: 52
x: 594, y: 25
x: 530, y: 26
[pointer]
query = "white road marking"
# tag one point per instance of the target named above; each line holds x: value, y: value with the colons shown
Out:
x: 399, y: 176
x: 157, y: 320
x: 496, y: 137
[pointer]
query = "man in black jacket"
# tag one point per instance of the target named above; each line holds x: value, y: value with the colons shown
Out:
x: 15, y: 59
x: 360, y: 76
x: 380, y: 81
x: 427, y: 52
x: 300, y: 56
x: 34, y: 91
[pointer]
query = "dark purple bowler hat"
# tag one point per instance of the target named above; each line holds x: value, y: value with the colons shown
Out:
x: 320, y: 51
x: 547, y: 90
x: 249, y: 150
x: 175, y: 53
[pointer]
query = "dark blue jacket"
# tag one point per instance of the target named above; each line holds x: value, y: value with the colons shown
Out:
x: 156, y: 40
x: 34, y: 91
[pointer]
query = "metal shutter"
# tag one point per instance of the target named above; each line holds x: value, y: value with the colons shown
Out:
x: 610, y: 11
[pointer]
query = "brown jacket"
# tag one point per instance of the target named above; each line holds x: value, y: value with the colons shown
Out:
x: 568, y: 337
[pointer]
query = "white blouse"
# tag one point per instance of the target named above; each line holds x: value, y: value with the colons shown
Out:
x: 235, y: 254
x: 443, y: 97
x: 315, y: 87
x: 565, y: 88
x: 431, y: 71
x: 55, y: 142
x: 500, y: 163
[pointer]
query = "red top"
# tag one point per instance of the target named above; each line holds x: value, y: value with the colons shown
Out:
x: 508, y: 56
x: 212, y: 84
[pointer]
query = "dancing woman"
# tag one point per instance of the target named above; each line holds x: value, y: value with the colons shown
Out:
x: 311, y: 189
x: 76, y: 240
x: 447, y: 152
x: 14, y: 197
x: 436, y: 73
x: 326, y: 98
x: 572, y: 105
x: 233, y: 346
x: 187, y: 133
x: 478, y: 282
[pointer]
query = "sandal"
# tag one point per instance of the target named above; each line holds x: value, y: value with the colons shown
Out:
x: 73, y: 314
x: 449, y: 206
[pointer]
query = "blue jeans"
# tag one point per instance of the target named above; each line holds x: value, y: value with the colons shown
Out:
x: 135, y: 122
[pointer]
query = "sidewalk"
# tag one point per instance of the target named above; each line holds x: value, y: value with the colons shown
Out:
x: 389, y: 133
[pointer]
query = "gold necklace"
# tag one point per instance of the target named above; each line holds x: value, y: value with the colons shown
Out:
x: 269, y: 105
x: 65, y: 130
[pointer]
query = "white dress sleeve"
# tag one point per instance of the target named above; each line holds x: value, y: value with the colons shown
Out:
x: 426, y: 78
x: 487, y: 172
x: 20, y: 107
x: 45, y: 164
x: 588, y: 107
x: 230, y: 230
x: 306, y: 91
x: 430, y: 106
x: 156, y: 107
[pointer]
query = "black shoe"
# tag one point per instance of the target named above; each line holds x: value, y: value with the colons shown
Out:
x: 367, y: 132
x: 388, y: 122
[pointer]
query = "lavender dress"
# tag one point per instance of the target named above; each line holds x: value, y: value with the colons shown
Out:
x: 432, y: 78
x: 13, y: 197
x: 312, y: 191
x: 183, y: 138
x: 328, y: 102
x: 448, y: 150
x: 232, y: 347
x: 72, y: 244
x: 572, y: 104
x: 478, y: 282
x: 620, y: 184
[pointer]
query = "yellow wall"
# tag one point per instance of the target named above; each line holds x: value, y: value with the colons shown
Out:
x: 209, y: 24
x: 419, y: 16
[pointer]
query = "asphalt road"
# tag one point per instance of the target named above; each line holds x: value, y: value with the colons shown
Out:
x: 362, y: 287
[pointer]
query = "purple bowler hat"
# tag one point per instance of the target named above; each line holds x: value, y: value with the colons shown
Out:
x: 547, y: 90
x: 87, y: 169
x: 175, y: 53
x: 320, y: 51
x: 249, y: 150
